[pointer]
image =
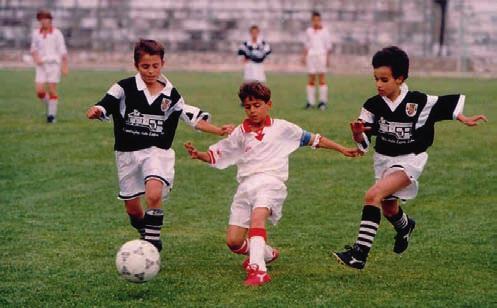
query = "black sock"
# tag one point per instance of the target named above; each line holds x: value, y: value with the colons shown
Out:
x: 138, y: 223
x: 153, y: 223
x: 399, y: 220
x: 371, y: 216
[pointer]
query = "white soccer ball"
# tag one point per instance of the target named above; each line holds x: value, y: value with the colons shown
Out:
x: 138, y: 261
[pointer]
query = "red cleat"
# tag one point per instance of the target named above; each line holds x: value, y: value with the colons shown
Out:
x: 256, y: 277
x: 276, y: 254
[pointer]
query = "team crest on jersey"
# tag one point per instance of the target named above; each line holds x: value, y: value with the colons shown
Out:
x: 411, y: 109
x: 165, y: 104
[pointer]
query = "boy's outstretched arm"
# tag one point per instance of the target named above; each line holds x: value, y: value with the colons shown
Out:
x: 195, y: 154
x: 207, y: 127
x: 471, y: 120
x: 318, y: 141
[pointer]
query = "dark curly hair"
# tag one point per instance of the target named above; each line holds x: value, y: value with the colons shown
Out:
x: 395, y: 58
x: 254, y: 90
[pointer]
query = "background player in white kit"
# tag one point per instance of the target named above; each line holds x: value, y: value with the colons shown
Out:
x: 254, y: 52
x: 50, y: 56
x: 317, y: 48
x: 260, y: 148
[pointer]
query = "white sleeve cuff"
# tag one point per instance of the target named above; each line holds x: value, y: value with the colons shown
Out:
x: 363, y: 146
x: 104, y: 115
x: 459, y: 107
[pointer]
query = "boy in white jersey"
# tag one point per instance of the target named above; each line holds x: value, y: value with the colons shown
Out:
x: 50, y: 56
x: 260, y: 148
x: 254, y: 52
x: 317, y: 47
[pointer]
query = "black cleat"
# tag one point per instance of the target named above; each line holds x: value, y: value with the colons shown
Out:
x: 307, y: 106
x: 322, y: 106
x: 352, y: 257
x: 403, y: 236
x: 50, y: 119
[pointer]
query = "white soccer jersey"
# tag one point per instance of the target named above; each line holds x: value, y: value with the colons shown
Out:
x: 49, y: 45
x: 262, y: 152
x: 317, y: 41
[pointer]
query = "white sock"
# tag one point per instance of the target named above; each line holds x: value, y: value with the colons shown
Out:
x: 257, y: 252
x: 323, y: 93
x: 268, y: 253
x: 311, y: 95
x: 52, y: 107
x: 45, y: 100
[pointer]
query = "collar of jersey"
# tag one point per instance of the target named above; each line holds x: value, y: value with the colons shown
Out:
x: 257, y: 43
x: 50, y: 30
x: 140, y: 84
x: 246, y: 126
x: 403, y: 92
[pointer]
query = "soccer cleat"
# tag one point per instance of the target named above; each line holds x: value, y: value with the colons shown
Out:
x: 276, y: 254
x: 50, y: 119
x: 352, y: 257
x: 322, y: 106
x: 403, y: 236
x: 307, y: 106
x: 256, y: 277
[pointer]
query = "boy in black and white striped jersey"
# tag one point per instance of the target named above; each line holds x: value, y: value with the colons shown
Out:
x: 146, y: 109
x: 403, y: 122
x: 254, y: 51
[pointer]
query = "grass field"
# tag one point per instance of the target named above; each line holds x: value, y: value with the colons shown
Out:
x: 61, y: 223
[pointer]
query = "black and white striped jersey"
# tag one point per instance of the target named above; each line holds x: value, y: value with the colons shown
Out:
x: 407, y: 125
x: 255, y: 52
x: 142, y: 120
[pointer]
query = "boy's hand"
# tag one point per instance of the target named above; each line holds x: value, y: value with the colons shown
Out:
x: 64, y: 70
x: 471, y: 121
x: 303, y: 60
x: 94, y: 113
x: 227, y: 129
x: 351, y: 152
x: 357, y: 129
x: 192, y: 151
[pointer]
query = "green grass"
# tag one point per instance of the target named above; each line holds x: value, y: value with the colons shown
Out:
x: 61, y: 223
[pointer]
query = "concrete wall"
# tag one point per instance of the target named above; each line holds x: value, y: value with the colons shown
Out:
x: 359, y: 27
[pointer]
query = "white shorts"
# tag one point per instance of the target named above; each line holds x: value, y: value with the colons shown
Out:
x: 48, y: 73
x: 135, y: 168
x: 254, y: 71
x: 259, y: 190
x: 316, y: 64
x: 411, y: 164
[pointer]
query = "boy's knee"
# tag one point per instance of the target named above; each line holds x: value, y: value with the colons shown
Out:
x: 154, y: 199
x: 41, y: 94
x: 373, y: 196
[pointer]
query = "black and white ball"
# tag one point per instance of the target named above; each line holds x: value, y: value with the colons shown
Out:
x: 138, y: 261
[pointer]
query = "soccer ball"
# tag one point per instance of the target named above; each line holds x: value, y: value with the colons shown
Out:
x: 138, y: 261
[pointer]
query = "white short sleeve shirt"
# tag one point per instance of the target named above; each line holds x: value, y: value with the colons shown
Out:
x: 265, y: 151
x: 49, y: 45
x: 317, y: 41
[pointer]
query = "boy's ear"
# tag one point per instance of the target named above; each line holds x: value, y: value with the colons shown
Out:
x: 399, y: 80
x: 269, y: 103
